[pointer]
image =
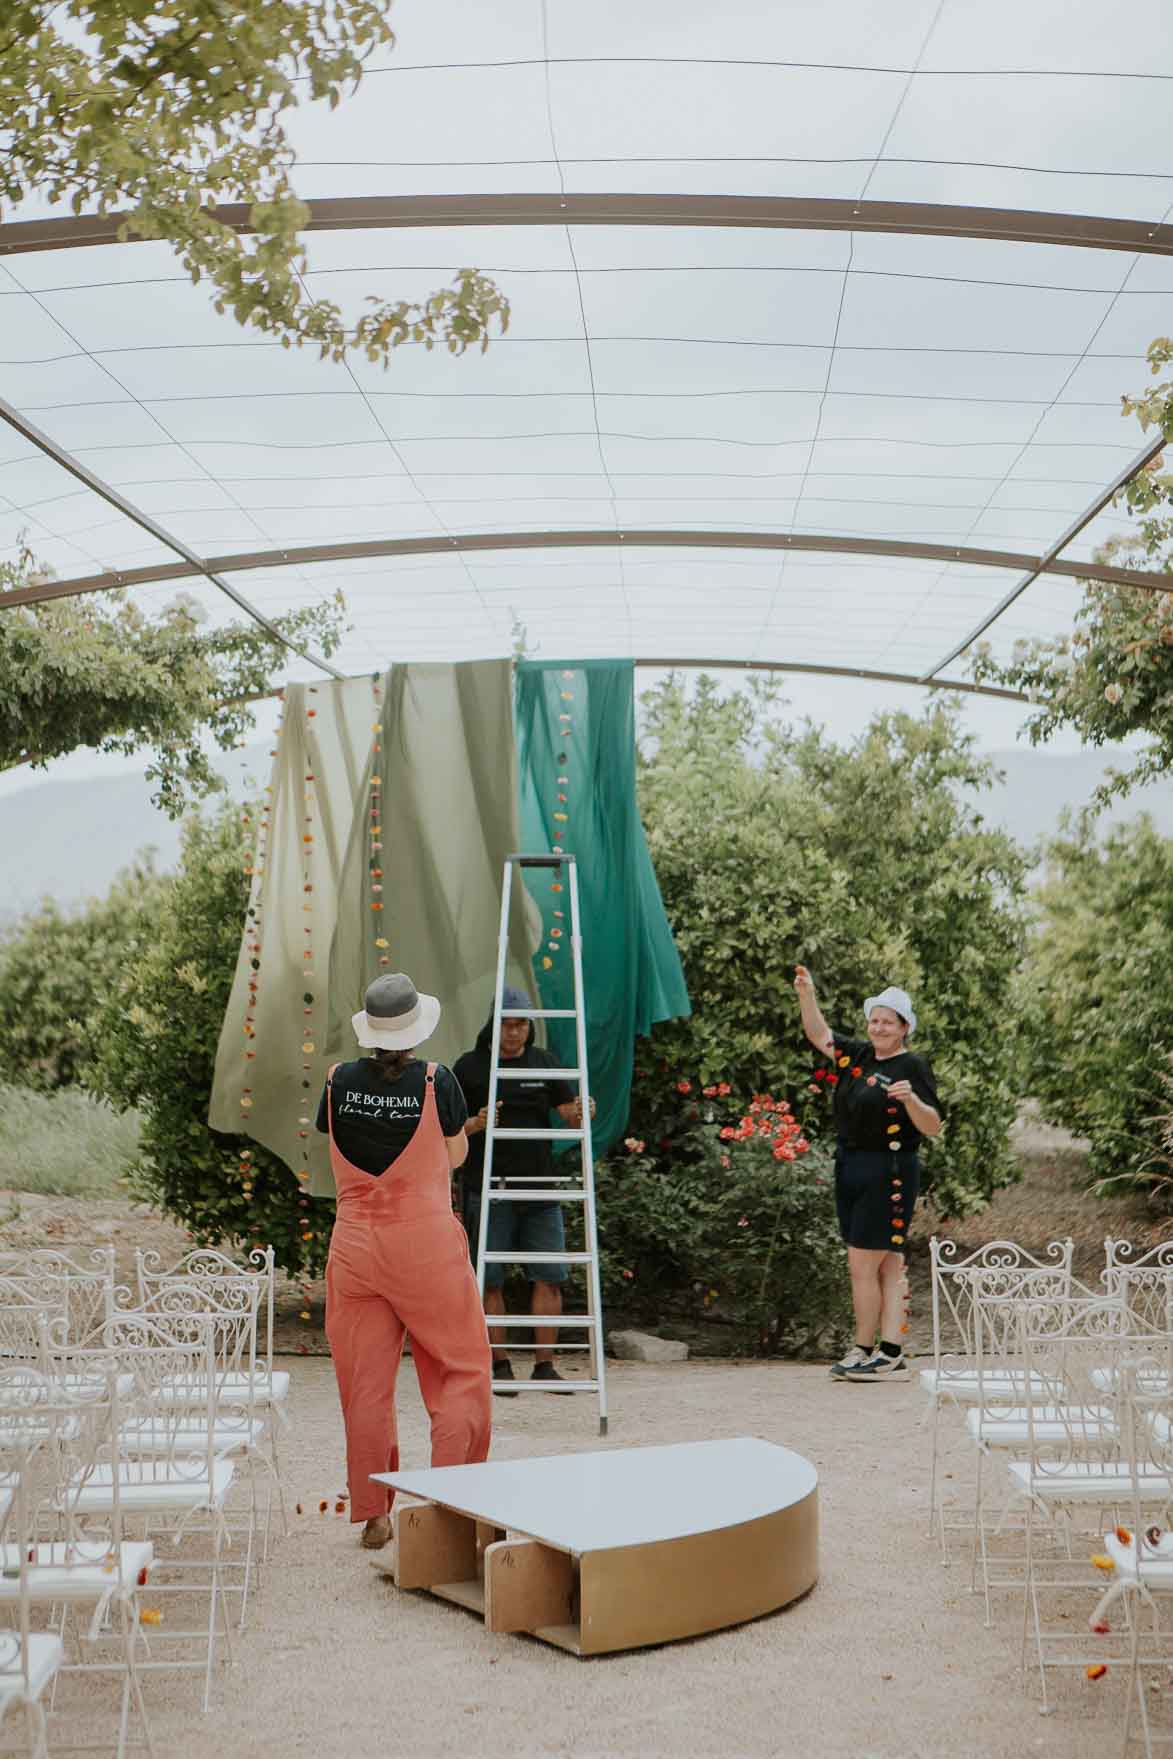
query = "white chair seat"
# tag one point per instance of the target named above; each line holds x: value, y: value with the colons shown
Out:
x: 1156, y: 1562
x: 1088, y: 1481
x: 233, y: 1388
x: 965, y: 1387
x: 1153, y: 1383
x: 1050, y: 1424
x: 93, y: 1386
x: 46, y: 1654
x: 81, y: 1571
x: 146, y: 1435
x: 153, y: 1489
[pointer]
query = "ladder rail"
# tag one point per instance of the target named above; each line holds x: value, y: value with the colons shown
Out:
x: 494, y: 1060
x: 590, y: 1224
x: 591, y: 1322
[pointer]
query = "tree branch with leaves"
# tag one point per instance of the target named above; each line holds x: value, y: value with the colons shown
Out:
x: 162, y: 110
x: 1113, y: 677
x: 97, y: 671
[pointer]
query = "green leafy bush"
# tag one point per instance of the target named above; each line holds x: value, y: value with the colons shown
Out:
x: 55, y: 969
x: 1096, y: 997
x: 155, y: 1049
x: 731, y: 1228
x: 864, y: 863
x: 64, y: 1144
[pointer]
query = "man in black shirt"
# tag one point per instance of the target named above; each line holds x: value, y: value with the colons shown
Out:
x: 524, y: 1103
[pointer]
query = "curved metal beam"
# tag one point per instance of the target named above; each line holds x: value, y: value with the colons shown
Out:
x: 190, y: 565
x: 803, y: 213
x: 673, y: 539
x: 1081, y: 521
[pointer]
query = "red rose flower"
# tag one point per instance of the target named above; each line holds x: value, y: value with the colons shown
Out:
x: 684, y: 1087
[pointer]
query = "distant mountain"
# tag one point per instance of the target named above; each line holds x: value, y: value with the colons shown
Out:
x: 1039, y: 784
x: 67, y: 840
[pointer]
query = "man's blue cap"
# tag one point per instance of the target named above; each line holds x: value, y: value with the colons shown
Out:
x: 514, y: 998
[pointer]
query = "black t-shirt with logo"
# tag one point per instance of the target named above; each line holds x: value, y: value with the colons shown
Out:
x: 864, y: 1115
x: 526, y: 1104
x: 375, y: 1115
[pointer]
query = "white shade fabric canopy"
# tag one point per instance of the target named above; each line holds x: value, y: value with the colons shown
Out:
x: 820, y: 322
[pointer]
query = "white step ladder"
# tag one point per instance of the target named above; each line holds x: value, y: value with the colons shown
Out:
x: 546, y: 1188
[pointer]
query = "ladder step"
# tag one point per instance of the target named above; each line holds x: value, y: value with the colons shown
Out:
x: 504, y: 1074
x: 538, y: 1014
x: 537, y: 1196
x: 549, y: 1386
x: 512, y: 1257
x: 583, y: 1320
x: 565, y: 1135
x: 539, y: 860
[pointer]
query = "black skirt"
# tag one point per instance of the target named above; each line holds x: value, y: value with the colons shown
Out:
x: 875, y: 1192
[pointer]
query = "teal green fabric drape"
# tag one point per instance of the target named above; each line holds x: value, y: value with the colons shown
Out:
x: 576, y: 752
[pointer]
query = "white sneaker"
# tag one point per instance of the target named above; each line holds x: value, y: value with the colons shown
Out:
x: 855, y: 1358
x: 878, y: 1367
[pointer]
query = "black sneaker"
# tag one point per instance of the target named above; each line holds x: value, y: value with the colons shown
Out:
x: 878, y: 1367
x: 503, y: 1371
x: 547, y: 1371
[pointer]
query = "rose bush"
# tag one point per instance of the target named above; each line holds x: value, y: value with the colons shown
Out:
x: 738, y: 1227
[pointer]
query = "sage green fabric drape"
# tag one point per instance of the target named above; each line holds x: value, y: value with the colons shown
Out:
x: 447, y: 796
x: 279, y: 1001
x: 431, y: 749
x: 576, y: 744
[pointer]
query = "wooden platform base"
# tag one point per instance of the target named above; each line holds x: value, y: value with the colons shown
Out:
x: 604, y: 1596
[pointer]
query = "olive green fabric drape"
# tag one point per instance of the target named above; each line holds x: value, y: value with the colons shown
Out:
x: 421, y: 761
x: 266, y: 1083
x: 447, y: 776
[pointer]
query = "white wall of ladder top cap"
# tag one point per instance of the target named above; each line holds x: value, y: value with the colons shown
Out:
x: 624, y: 1496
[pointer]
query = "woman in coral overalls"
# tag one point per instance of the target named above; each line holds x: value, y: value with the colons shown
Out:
x: 399, y: 1260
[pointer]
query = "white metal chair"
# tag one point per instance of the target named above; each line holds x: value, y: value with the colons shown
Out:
x: 1011, y: 1405
x: 952, y: 1381
x: 253, y: 1383
x: 1079, y: 1473
x: 1141, y: 1549
x: 168, y: 1470
x: 55, y: 1559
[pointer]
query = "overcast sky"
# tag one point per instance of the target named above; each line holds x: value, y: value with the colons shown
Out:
x: 842, y: 705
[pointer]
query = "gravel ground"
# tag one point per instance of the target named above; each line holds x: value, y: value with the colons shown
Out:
x: 886, y: 1658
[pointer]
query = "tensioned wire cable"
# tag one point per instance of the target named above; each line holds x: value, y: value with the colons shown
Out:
x: 1029, y: 578
x: 709, y: 268
x: 586, y: 332
x: 763, y: 62
x: 151, y: 416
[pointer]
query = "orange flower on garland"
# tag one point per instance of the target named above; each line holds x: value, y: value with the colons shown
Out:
x: 1097, y: 1671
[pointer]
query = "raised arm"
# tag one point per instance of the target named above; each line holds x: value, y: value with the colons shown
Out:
x: 813, y: 1024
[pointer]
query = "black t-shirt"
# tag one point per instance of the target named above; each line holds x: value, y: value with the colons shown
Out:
x: 525, y: 1105
x: 864, y: 1115
x: 375, y: 1116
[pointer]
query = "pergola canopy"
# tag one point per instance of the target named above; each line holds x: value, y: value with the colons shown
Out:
x: 820, y: 322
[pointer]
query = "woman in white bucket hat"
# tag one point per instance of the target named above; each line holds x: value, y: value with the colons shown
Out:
x: 399, y: 1258
x: 885, y: 1101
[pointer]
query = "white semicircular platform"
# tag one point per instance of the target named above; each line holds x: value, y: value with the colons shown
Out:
x: 614, y: 1549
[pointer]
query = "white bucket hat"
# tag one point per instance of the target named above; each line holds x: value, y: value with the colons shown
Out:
x: 395, y: 1016
x: 898, y: 1000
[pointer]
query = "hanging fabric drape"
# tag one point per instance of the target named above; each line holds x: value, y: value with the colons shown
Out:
x: 441, y: 790
x: 271, y: 1059
x: 576, y: 744
x: 391, y: 807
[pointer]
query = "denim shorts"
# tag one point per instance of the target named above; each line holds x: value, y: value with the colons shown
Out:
x: 518, y: 1227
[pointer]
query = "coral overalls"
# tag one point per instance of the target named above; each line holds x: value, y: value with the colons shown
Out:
x: 399, y: 1263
